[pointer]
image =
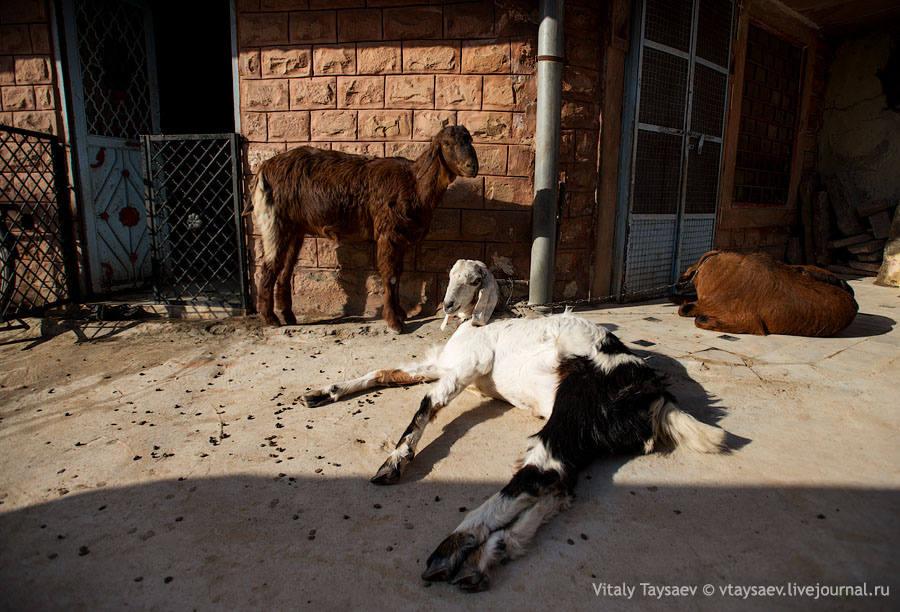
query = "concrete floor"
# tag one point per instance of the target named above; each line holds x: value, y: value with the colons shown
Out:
x: 169, y: 466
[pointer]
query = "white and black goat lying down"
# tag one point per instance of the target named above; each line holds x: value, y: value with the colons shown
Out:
x: 598, y: 398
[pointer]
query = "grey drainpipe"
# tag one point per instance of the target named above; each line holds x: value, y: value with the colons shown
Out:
x: 546, y: 155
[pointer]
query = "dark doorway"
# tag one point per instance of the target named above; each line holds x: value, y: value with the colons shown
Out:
x: 193, y: 66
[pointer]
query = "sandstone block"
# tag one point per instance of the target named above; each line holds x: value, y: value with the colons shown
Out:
x: 378, y: 58
x: 486, y: 126
x: 472, y: 20
x: 332, y: 254
x: 333, y: 59
x: 586, y: 143
x: 385, y: 124
x: 336, y: 4
x: 332, y: 125
x: 577, y: 114
x: 14, y: 39
x: 496, y: 226
x: 439, y: 256
x: 427, y: 123
x: 295, y: 62
x: 313, y: 27
x: 465, y: 193
x: 516, y: 18
x: 360, y: 92
x: 291, y: 126
x: 369, y: 149
x: 491, y: 159
x: 7, y: 70
x: 258, y: 152
x: 253, y: 126
x: 444, y: 224
x: 17, y: 97
x: 257, y: 29
x: 32, y: 70
x: 521, y: 160
x: 249, y: 63
x: 408, y: 150
x: 523, y: 55
x: 508, y: 260
x: 585, y: 20
x: 24, y: 11
x: 580, y: 83
x: 359, y: 25
x: 480, y: 56
x: 314, y: 93
x: 423, y: 56
x: 507, y: 192
x: 458, y: 92
x: 40, y: 38
x: 39, y: 121
x: 44, y: 99
x: 412, y: 22
x: 405, y: 91
x: 507, y: 92
x: 279, y: 5
x: 265, y: 95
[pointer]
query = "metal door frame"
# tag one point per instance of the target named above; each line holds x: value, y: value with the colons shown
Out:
x: 631, y: 126
x: 79, y: 130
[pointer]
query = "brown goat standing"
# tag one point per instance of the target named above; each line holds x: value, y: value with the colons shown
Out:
x: 350, y: 197
x: 757, y: 294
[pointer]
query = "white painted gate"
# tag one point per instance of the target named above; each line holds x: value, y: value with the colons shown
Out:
x: 112, y: 82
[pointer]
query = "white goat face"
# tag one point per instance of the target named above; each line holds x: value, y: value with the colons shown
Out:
x: 472, y: 291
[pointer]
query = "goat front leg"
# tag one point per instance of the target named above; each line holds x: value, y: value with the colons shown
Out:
x: 397, y: 377
x: 502, y: 526
x: 283, y: 291
x: 442, y: 394
x: 390, y: 264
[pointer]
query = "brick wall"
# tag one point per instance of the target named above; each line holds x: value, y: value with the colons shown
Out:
x: 28, y: 98
x: 380, y: 77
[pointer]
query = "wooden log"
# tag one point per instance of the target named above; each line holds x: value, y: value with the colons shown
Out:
x: 864, y: 265
x: 876, y: 256
x: 875, y: 206
x: 843, y: 242
x: 872, y: 246
x: 838, y: 269
x: 822, y: 227
x: 881, y: 223
x: 806, y: 218
x: 843, y: 202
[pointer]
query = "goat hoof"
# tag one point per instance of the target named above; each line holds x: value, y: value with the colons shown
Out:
x: 316, y: 398
x: 444, y: 561
x: 270, y: 319
x: 386, y: 475
x: 398, y: 327
x: 289, y: 318
x: 471, y: 579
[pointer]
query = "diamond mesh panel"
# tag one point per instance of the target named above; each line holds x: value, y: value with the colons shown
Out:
x: 657, y: 169
x: 669, y: 22
x: 649, y: 252
x: 113, y: 55
x: 35, y: 250
x: 663, y: 82
x: 198, y: 243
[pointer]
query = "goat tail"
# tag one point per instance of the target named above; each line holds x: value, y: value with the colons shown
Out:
x: 260, y: 195
x: 676, y: 428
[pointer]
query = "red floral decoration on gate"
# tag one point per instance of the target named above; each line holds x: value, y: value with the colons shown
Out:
x: 129, y: 216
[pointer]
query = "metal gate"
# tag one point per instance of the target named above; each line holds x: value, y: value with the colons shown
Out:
x: 112, y: 80
x: 197, y: 236
x: 37, y: 256
x: 672, y: 139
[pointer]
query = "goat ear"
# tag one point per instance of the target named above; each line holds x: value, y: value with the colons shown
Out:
x: 488, y: 296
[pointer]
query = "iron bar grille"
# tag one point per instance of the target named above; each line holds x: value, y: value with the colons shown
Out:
x: 37, y: 256
x: 197, y: 237
x: 768, y: 120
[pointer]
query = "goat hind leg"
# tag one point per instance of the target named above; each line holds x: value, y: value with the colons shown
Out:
x: 283, y: 294
x: 462, y: 554
x: 390, y: 264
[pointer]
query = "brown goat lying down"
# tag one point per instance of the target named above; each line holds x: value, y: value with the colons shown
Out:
x: 757, y: 294
x: 350, y: 197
